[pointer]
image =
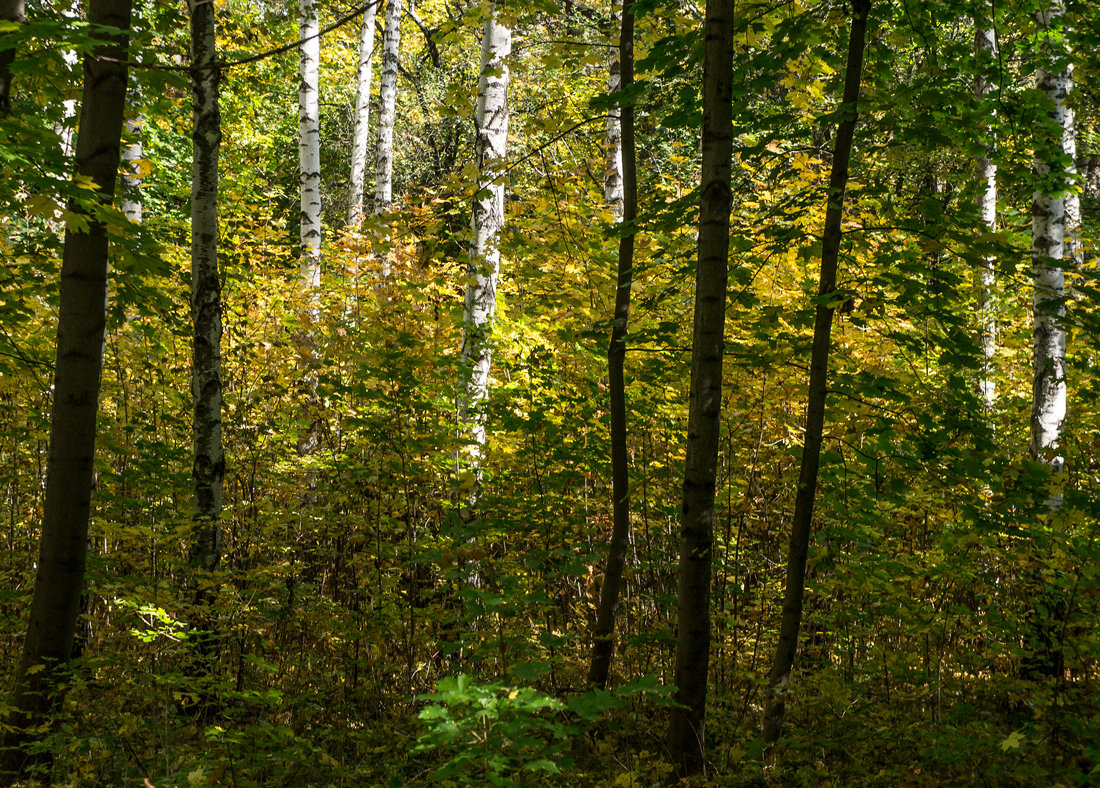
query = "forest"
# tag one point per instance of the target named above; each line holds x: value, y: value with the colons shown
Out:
x: 565, y: 393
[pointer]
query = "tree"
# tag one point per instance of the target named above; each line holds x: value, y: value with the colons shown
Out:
x: 1055, y: 215
x: 483, y: 267
x: 309, y: 143
x: 826, y: 304
x: 387, y: 108
x: 10, y: 11
x: 361, y: 135
x: 686, y: 731
x: 82, y: 320
x: 621, y: 193
x: 985, y: 50
x: 206, y: 302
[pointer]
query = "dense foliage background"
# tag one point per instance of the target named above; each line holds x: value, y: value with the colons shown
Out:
x: 950, y: 632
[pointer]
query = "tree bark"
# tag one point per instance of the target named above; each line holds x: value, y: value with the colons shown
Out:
x: 985, y: 50
x: 82, y: 319
x: 10, y: 11
x: 1055, y: 215
x: 206, y: 305
x: 309, y: 145
x: 779, y: 677
x: 387, y: 108
x: 483, y: 268
x: 686, y: 735
x: 132, y: 152
x: 613, y: 135
x: 361, y: 135
x: 620, y: 153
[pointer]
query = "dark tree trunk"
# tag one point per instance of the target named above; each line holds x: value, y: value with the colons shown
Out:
x: 10, y: 11
x: 686, y: 736
x: 780, y: 674
x: 604, y: 633
x: 40, y: 678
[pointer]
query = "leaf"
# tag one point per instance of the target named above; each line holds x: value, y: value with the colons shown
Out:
x: 1014, y: 741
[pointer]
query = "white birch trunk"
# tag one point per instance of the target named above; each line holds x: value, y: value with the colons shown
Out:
x: 985, y: 48
x: 130, y: 171
x: 309, y: 144
x: 206, y: 373
x: 1052, y: 246
x: 488, y: 221
x: 387, y: 109
x: 613, y: 135
x: 361, y: 136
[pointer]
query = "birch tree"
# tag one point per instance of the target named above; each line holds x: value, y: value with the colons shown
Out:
x: 686, y: 732
x: 81, y: 327
x: 483, y: 268
x: 132, y: 151
x: 1055, y: 216
x: 361, y: 135
x: 309, y: 143
x: 206, y: 306
x: 10, y: 11
x: 621, y: 194
x: 985, y: 49
x: 795, y: 588
x: 387, y: 108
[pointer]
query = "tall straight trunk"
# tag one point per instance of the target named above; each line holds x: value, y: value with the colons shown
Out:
x: 1054, y: 216
x: 81, y: 326
x: 206, y: 294
x: 387, y: 108
x: 309, y: 145
x: 780, y: 675
x: 613, y: 142
x: 483, y: 268
x: 686, y: 733
x: 361, y: 136
x: 10, y: 11
x: 620, y: 148
x: 985, y: 49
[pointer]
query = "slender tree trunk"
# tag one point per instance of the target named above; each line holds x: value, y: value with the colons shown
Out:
x: 387, y: 108
x: 132, y: 152
x: 686, y: 734
x: 206, y: 297
x: 10, y: 11
x: 82, y: 319
x: 488, y: 221
x: 361, y: 136
x: 779, y: 678
x: 1055, y: 214
x: 309, y: 145
x: 985, y: 48
x: 613, y: 140
x: 620, y: 155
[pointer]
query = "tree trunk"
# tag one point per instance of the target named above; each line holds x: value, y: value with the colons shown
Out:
x: 779, y: 677
x: 613, y: 136
x: 81, y: 326
x: 1055, y: 215
x: 985, y: 49
x: 621, y: 157
x: 10, y: 11
x: 387, y: 108
x: 206, y: 297
x: 483, y: 268
x: 309, y: 145
x: 686, y: 734
x: 361, y: 136
x: 132, y: 152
